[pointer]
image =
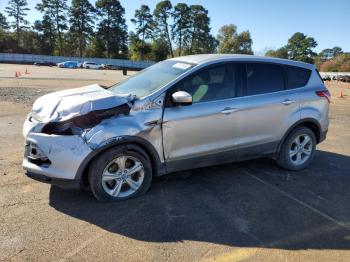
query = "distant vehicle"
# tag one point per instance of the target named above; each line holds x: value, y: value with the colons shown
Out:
x: 44, y: 63
x: 92, y: 65
x: 326, y: 78
x: 68, y: 64
x: 110, y: 67
x: 344, y: 78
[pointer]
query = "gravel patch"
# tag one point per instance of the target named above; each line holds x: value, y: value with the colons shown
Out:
x: 22, y: 95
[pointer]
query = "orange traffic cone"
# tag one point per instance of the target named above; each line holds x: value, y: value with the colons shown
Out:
x: 27, y: 72
x: 341, y: 95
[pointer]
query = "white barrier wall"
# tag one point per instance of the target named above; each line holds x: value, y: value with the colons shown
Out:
x: 28, y: 58
x: 331, y: 74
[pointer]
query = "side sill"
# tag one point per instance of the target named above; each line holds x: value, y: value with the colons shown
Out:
x: 230, y: 156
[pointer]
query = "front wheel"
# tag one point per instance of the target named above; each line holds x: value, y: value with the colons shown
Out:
x: 119, y: 174
x: 298, y: 149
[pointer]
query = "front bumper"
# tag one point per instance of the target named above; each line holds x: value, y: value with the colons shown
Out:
x: 63, y: 183
x: 63, y: 155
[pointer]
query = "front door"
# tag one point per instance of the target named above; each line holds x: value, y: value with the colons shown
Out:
x: 206, y: 127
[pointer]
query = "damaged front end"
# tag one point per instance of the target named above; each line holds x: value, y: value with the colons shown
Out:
x: 54, y: 130
x: 73, y: 111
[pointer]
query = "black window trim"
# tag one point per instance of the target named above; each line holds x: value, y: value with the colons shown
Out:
x: 288, y: 80
x: 170, y: 91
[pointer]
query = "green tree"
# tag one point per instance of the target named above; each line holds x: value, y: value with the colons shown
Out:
x: 112, y: 28
x: 46, y: 33
x: 3, y: 23
x: 201, y: 39
x: 230, y: 42
x: 5, y: 37
x: 82, y: 21
x: 95, y: 47
x: 17, y: 9
x: 55, y: 12
x: 144, y: 26
x: 139, y: 49
x: 181, y: 28
x: 329, y: 53
x: 300, y: 48
x: 162, y: 14
x: 159, y: 49
x: 280, y: 53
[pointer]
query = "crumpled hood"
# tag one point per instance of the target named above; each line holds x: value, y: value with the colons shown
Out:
x: 64, y: 105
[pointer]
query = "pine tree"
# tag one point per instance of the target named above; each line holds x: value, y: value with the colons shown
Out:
x: 112, y: 29
x: 46, y: 33
x: 3, y: 22
x: 162, y: 14
x: 181, y: 29
x: 17, y: 10
x: 55, y: 12
x: 144, y: 26
x: 81, y: 20
x: 201, y: 39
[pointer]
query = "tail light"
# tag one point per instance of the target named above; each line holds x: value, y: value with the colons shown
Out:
x: 325, y: 94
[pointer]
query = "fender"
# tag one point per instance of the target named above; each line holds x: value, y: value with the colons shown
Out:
x: 131, y: 142
x: 298, y: 123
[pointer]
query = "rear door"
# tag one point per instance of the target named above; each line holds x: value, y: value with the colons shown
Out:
x: 266, y: 110
x: 207, y: 126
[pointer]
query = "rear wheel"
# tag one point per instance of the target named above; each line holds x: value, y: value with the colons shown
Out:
x: 298, y: 149
x: 119, y: 174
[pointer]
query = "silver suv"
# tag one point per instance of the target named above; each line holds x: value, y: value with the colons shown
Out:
x: 181, y: 113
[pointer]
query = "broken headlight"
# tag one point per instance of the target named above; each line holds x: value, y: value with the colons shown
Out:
x: 76, y: 125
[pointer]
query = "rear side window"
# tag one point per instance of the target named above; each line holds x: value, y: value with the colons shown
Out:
x: 297, y: 77
x: 264, y: 78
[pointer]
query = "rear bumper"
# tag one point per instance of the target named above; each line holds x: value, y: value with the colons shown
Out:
x: 323, y: 136
x: 63, y: 183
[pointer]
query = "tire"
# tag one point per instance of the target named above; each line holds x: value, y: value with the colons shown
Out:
x: 110, y: 183
x: 289, y: 155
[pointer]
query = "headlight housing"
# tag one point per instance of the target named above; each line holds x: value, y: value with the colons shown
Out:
x: 76, y: 125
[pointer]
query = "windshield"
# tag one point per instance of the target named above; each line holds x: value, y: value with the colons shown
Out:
x: 151, y: 79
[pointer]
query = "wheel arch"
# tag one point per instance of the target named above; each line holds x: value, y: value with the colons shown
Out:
x: 307, y: 122
x: 137, y: 144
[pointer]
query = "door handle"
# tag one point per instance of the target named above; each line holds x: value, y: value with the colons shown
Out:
x: 288, y: 102
x: 228, y: 110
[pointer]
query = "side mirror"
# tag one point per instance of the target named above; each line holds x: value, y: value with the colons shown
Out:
x: 182, y: 98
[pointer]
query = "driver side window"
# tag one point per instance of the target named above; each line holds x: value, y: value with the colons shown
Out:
x: 212, y: 83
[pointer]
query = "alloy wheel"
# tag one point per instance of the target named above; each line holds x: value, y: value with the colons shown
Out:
x: 300, y: 149
x: 123, y: 176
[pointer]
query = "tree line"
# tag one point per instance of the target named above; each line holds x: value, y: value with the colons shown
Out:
x: 300, y: 48
x: 100, y: 30
x: 79, y: 28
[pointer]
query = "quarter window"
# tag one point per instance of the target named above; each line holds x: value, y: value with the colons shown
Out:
x: 214, y: 83
x: 297, y: 77
x: 264, y: 78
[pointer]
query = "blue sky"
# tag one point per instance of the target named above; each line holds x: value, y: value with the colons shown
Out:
x: 270, y: 22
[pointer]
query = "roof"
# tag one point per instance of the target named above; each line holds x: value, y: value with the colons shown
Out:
x: 208, y: 58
